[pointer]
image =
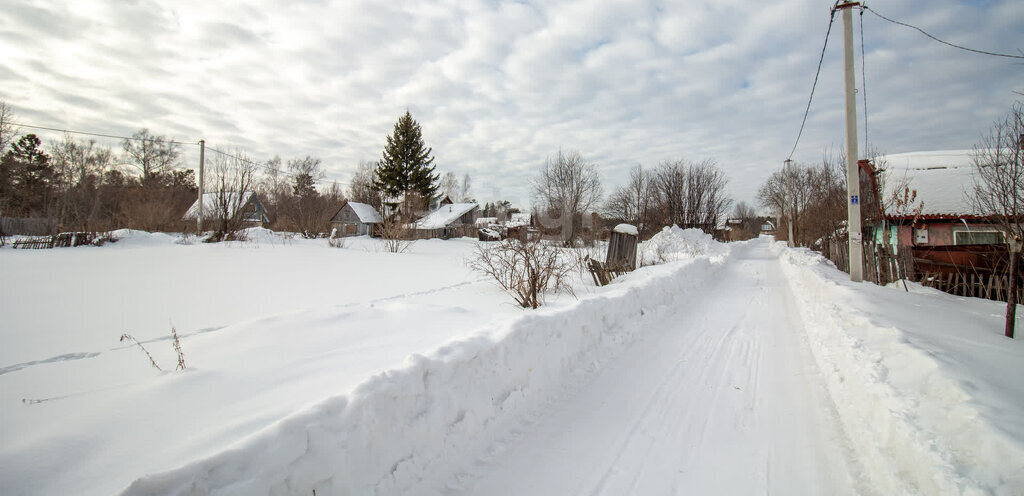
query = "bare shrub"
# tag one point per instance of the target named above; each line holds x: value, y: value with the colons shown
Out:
x: 175, y: 342
x: 129, y: 337
x: 525, y: 270
x: 396, y: 235
x: 177, y: 349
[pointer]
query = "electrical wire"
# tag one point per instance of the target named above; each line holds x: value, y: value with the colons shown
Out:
x: 983, y: 52
x: 68, y: 131
x: 265, y: 167
x: 803, y: 122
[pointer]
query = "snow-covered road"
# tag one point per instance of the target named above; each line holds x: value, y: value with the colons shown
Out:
x: 719, y: 395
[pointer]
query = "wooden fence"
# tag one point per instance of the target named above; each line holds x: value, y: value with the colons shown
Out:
x: 988, y: 286
x: 881, y: 264
x: 62, y: 240
x: 979, y: 271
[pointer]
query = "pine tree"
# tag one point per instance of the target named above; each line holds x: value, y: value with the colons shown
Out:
x: 27, y: 168
x: 405, y: 169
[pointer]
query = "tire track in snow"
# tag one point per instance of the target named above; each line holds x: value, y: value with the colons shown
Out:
x: 716, y: 397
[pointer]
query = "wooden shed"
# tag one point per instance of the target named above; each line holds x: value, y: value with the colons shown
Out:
x: 355, y: 219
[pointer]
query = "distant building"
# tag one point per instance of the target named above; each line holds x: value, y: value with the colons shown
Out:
x: 246, y: 205
x: 356, y: 219
x: 448, y: 221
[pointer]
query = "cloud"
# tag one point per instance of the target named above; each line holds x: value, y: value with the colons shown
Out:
x: 498, y: 86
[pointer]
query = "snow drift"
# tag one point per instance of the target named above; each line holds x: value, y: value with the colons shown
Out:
x: 406, y: 424
x: 912, y: 427
x: 673, y: 243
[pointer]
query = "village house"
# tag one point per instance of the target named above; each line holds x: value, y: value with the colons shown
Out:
x: 355, y: 219
x: 245, y: 205
x: 939, y: 211
x: 448, y: 221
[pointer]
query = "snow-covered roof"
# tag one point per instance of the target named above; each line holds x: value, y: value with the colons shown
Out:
x: 941, y: 179
x: 210, y: 209
x: 366, y: 213
x: 518, y: 219
x: 444, y: 215
x: 485, y: 221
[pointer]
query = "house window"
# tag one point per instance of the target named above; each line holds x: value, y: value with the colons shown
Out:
x: 978, y: 237
x: 921, y: 235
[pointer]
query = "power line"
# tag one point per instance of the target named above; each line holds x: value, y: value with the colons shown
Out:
x: 265, y: 167
x: 803, y: 122
x: 983, y: 52
x: 68, y: 131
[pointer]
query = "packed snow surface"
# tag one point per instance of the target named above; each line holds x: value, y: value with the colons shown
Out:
x: 723, y: 369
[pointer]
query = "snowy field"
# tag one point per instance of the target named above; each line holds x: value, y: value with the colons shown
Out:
x: 738, y: 369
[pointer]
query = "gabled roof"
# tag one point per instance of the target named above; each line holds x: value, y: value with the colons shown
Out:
x: 210, y: 209
x: 518, y: 219
x: 942, y: 180
x: 444, y: 215
x: 366, y: 213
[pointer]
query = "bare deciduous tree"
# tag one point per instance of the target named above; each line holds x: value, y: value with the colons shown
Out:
x: 465, y: 190
x: 632, y: 202
x: 273, y: 186
x: 7, y: 129
x: 691, y: 195
x: 568, y: 186
x: 998, y: 191
x: 360, y: 187
x: 744, y: 222
x: 152, y: 155
x: 80, y: 167
x: 232, y: 179
x: 449, y: 186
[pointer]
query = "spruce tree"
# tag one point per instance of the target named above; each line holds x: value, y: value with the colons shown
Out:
x: 405, y: 169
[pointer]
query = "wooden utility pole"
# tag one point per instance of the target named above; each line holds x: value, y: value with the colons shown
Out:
x: 852, y: 171
x: 202, y: 164
x: 790, y: 202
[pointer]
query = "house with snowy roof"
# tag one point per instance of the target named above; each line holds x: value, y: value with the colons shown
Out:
x: 519, y: 219
x: 232, y: 205
x: 935, y: 207
x: 448, y: 221
x: 356, y: 219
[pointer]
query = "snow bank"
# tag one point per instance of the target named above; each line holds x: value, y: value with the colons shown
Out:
x: 415, y: 422
x: 673, y: 243
x: 911, y: 425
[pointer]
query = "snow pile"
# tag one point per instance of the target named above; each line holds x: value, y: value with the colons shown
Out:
x: 920, y: 416
x: 415, y: 422
x: 673, y: 243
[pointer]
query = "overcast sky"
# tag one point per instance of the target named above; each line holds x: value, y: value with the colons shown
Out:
x: 499, y: 86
